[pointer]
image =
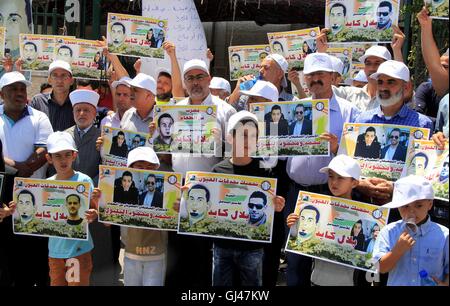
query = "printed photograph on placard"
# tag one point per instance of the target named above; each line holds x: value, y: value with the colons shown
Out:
x: 245, y: 60
x: 438, y: 8
x: 358, y: 50
x: 345, y: 55
x: 2, y: 41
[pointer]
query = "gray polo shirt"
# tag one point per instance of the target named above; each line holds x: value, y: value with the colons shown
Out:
x: 357, y: 96
x: 61, y: 117
x: 133, y: 122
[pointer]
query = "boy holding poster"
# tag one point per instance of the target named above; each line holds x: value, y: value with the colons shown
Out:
x: 343, y: 176
x: 65, y: 255
x: 415, y: 244
x: 242, y: 134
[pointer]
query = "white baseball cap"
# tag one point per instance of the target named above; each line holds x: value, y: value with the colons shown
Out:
x: 142, y: 154
x: 409, y: 189
x: 238, y: 117
x: 144, y: 81
x: 195, y: 64
x: 317, y: 62
x: 13, y: 77
x: 282, y: 63
x: 344, y: 166
x: 84, y: 96
x: 220, y: 83
x: 263, y: 89
x: 361, y: 77
x: 378, y: 51
x: 123, y: 81
x: 395, y: 69
x: 338, y: 65
x: 61, y: 65
x: 60, y: 141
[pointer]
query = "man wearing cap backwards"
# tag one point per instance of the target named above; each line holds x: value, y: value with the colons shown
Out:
x: 56, y: 105
x: 318, y: 71
x: 23, y: 133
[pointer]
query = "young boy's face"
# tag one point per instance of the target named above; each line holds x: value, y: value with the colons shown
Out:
x: 245, y: 140
x: 418, y: 210
x: 340, y: 185
x: 144, y: 165
x: 62, y: 161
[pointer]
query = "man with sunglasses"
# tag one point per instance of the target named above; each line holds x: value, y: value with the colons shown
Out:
x: 394, y: 150
x: 257, y: 203
x: 152, y: 197
x: 384, y: 15
x: 302, y: 125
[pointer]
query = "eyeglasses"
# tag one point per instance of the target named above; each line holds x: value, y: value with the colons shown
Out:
x: 257, y: 206
x: 300, y: 112
x: 192, y: 78
x: 392, y: 136
x: 62, y: 77
x: 384, y: 14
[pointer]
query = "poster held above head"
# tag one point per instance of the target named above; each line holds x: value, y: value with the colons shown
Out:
x: 245, y: 60
x: 438, y: 8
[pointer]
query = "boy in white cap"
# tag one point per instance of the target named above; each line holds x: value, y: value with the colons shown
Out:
x: 220, y: 87
x: 61, y: 154
x: 414, y: 244
x: 343, y: 176
x: 245, y: 257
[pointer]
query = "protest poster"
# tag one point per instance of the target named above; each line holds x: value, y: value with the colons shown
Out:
x: 361, y: 20
x: 51, y: 208
x: 358, y: 50
x: 139, y: 198
x: 117, y: 143
x: 2, y: 41
x: 336, y: 230
x: 380, y: 149
x: 184, y: 129
x: 84, y: 56
x: 294, y: 45
x: 438, y: 8
x: 292, y: 128
x: 425, y: 159
x: 136, y: 36
x: 345, y: 55
x: 245, y: 60
x: 228, y: 206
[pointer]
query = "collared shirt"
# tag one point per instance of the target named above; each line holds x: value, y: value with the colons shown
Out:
x: 20, y: 139
x: 304, y: 170
x: 298, y: 128
x: 430, y: 252
x: 182, y: 162
x: 60, y: 116
x: 111, y: 121
x: 390, y: 153
x: 405, y: 116
x: 357, y: 96
x: 131, y: 121
x: 148, y: 199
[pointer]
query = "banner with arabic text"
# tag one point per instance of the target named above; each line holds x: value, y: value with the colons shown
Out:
x: 245, y: 60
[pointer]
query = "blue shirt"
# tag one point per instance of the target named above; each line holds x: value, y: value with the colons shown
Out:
x: 429, y: 253
x: 304, y: 170
x: 68, y: 248
x: 405, y: 116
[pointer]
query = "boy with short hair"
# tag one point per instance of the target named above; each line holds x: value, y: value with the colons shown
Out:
x: 415, y: 243
x: 343, y: 176
x: 246, y: 257
x: 61, y: 154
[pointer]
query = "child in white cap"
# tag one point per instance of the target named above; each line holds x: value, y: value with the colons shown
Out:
x: 414, y: 246
x: 343, y: 176
x: 61, y: 154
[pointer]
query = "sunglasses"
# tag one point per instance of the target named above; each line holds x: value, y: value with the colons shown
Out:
x: 384, y: 14
x: 150, y: 183
x: 396, y: 137
x: 136, y: 141
x: 299, y: 113
x: 257, y: 206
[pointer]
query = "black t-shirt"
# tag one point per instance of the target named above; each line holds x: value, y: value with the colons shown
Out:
x: 252, y: 169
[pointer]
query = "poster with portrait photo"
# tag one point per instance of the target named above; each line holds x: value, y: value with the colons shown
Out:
x: 84, y: 56
x: 294, y: 45
x: 136, y: 36
x: 228, y: 207
x: 139, y: 198
x: 292, y: 128
x: 345, y: 55
x: 336, y: 230
x: 185, y: 129
x: 380, y: 149
x: 117, y: 143
x: 358, y: 50
x: 438, y: 8
x: 49, y: 208
x: 2, y: 41
x: 425, y: 159
x: 245, y: 60
x: 361, y: 21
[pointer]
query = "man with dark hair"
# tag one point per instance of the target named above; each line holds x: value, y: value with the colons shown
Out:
x: 197, y: 203
x: 164, y: 139
x: 73, y: 205
x: 278, y: 48
x: 65, y: 53
x: 26, y: 206
x: 235, y: 62
x: 117, y: 34
x: 277, y: 125
x: 45, y: 88
x: 418, y: 164
x: 125, y: 191
x: 384, y: 15
x: 302, y: 125
x: 30, y: 52
x: 443, y: 176
x: 338, y: 15
x: 395, y: 150
x: 309, y: 218
x: 152, y: 197
x: 257, y: 203
x: 367, y: 145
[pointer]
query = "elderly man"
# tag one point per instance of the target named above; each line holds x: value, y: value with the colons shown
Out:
x: 220, y: 87
x: 319, y: 76
x: 23, y: 133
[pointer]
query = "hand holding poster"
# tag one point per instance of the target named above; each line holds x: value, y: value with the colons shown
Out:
x: 2, y: 41
x: 228, y: 206
x: 292, y: 128
x: 294, y: 45
x: 245, y: 60
x: 117, y: 143
x: 336, y: 230
x: 361, y: 20
x: 379, y: 149
x: 139, y: 198
x: 84, y: 56
x: 438, y: 8
x: 51, y: 208
x: 136, y: 36
x: 425, y: 159
x: 185, y: 129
